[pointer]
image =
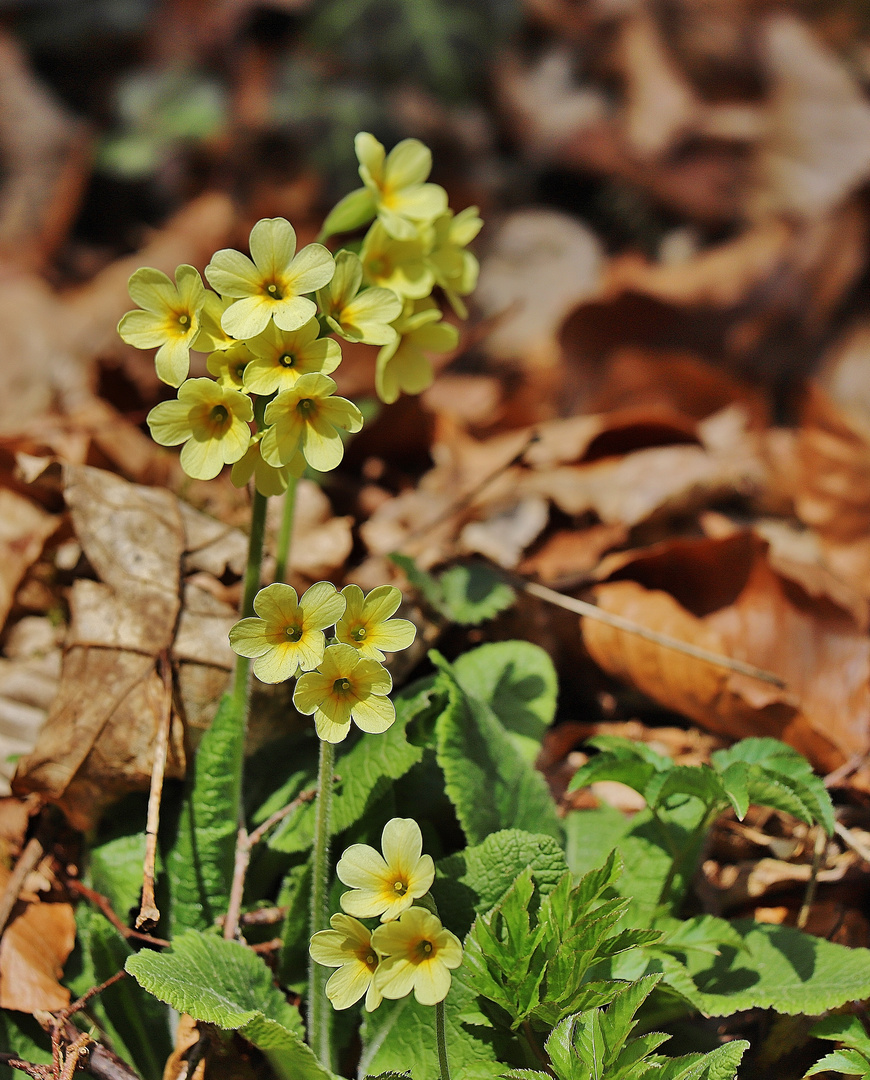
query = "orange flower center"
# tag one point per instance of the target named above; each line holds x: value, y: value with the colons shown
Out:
x: 359, y: 633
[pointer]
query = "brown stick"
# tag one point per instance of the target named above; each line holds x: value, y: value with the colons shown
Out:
x: 590, y: 611
x: 149, y: 913
x: 27, y: 861
x: 104, y: 904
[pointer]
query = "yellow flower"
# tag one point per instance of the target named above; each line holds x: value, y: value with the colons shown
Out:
x: 288, y: 633
x: 305, y: 418
x: 170, y: 318
x: 386, y: 885
x: 272, y: 283
x: 211, y: 421
x: 281, y: 356
x: 267, y: 479
x: 417, y: 954
x: 228, y: 365
x: 348, y: 947
x: 346, y: 687
x: 397, y: 265
x: 212, y: 335
x: 366, y: 623
x: 404, y: 365
x: 357, y: 316
x: 396, y: 183
x: 455, y: 268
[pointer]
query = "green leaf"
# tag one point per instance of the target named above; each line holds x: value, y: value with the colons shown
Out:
x: 719, y: 1064
x: 117, y: 855
x: 518, y: 682
x: 849, y: 1062
x: 225, y: 983
x: 353, y: 211
x: 20, y: 1034
x: 491, y: 786
x: 402, y: 1033
x: 365, y: 769
x: 200, y: 863
x: 590, y: 836
x: 781, y: 968
x: 475, y: 879
x: 845, y: 1029
x: 472, y: 593
x: 698, y: 781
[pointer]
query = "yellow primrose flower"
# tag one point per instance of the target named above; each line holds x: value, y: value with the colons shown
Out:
x: 267, y: 479
x: 346, y: 687
x: 357, y: 316
x: 396, y: 182
x: 417, y: 953
x: 397, y: 265
x: 170, y: 318
x: 386, y: 885
x: 211, y: 421
x: 366, y: 623
x: 271, y: 284
x: 281, y: 356
x: 288, y: 633
x: 305, y: 418
x: 404, y: 366
x: 228, y: 365
x: 212, y: 335
x: 348, y: 947
x: 455, y: 268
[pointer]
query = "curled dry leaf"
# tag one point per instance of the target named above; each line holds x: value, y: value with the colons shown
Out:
x: 24, y: 528
x: 33, y: 950
x: 724, y: 595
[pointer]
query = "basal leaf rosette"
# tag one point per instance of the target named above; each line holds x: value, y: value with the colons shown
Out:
x: 346, y: 687
x: 396, y: 182
x: 417, y: 953
x: 280, y: 357
x: 272, y: 283
x: 287, y: 634
x: 357, y: 316
x: 404, y: 367
x: 366, y: 623
x: 398, y: 265
x: 169, y: 318
x: 348, y: 947
x: 212, y: 422
x: 383, y: 886
x: 306, y: 419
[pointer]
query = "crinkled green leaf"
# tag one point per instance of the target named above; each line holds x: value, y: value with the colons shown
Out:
x: 719, y: 1064
x: 474, y: 592
x: 846, y: 1029
x: 518, y: 681
x: 475, y: 879
x: 200, y: 863
x: 225, y: 983
x: 489, y: 783
x: 849, y: 1062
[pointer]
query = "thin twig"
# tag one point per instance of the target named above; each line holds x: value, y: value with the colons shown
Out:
x: 618, y: 622
x: 860, y: 847
x: 80, y: 1003
x: 810, y: 891
x: 149, y: 913
x: 245, y: 843
x: 105, y: 905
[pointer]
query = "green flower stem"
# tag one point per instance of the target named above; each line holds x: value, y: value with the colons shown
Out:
x: 318, y: 1004
x: 441, y: 1040
x: 251, y: 585
x: 286, y: 534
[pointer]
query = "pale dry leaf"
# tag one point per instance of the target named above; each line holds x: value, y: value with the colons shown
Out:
x: 24, y: 528
x: 29, y: 677
x: 506, y: 533
x: 33, y: 950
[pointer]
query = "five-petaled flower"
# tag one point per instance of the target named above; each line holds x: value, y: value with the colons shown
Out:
x: 212, y: 422
x: 348, y: 947
x: 417, y: 953
x: 404, y: 365
x: 398, y: 265
x: 170, y: 318
x: 280, y: 357
x: 305, y: 418
x: 357, y: 316
x: 345, y: 687
x: 288, y: 633
x: 271, y: 284
x: 366, y: 623
x: 396, y: 182
x: 386, y: 885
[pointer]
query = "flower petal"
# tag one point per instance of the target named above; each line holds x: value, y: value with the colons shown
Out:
x: 143, y: 329
x: 432, y: 982
x: 248, y: 638
x: 374, y: 714
x: 293, y: 312
x: 409, y: 162
x: 312, y: 268
x: 322, y: 605
x: 393, y: 635
x: 347, y: 985
x: 152, y: 289
x: 395, y: 976
x: 248, y: 317
x: 273, y: 245
x: 311, y: 689
x: 321, y: 445
x: 277, y: 603
x: 402, y: 843
x: 280, y: 663
x: 362, y: 867
x: 169, y: 423
x: 329, y: 730
x: 202, y: 459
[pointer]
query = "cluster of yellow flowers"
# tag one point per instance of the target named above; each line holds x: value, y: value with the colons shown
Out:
x: 268, y: 323
x: 411, y: 950
x: 342, y: 681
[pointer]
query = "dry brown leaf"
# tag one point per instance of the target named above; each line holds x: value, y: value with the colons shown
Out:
x: 572, y: 553
x: 33, y: 950
x: 24, y: 528
x: 725, y: 596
